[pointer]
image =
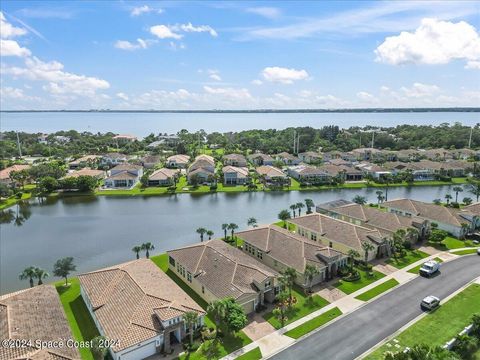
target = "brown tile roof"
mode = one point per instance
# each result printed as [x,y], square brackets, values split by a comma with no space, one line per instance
[199,164]
[224,270]
[35,314]
[126,167]
[163,174]
[338,231]
[180,158]
[262,156]
[125,298]
[5,173]
[270,171]
[473,208]
[288,248]
[429,211]
[85,158]
[241,171]
[122,175]
[208,158]
[237,157]
[86,172]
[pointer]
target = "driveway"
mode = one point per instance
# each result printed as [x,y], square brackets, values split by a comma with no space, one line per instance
[352,335]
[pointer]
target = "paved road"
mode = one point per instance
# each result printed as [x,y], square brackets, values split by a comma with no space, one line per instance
[359,331]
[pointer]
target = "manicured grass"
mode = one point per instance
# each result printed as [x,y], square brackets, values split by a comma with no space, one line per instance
[254,354]
[439,326]
[416,269]
[304,306]
[454,243]
[411,257]
[465,252]
[314,323]
[349,287]
[281,223]
[218,348]
[12,200]
[81,323]
[377,290]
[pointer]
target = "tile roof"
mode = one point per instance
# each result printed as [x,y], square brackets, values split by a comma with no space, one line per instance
[125,297]
[238,157]
[35,314]
[224,270]
[127,167]
[473,208]
[288,248]
[86,172]
[180,158]
[123,175]
[163,174]
[262,156]
[308,170]
[270,171]
[85,158]
[241,171]
[5,173]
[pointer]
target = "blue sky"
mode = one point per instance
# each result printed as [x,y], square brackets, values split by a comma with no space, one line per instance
[239,55]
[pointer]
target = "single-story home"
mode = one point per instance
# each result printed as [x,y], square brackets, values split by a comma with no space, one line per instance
[272,175]
[5,173]
[279,249]
[309,174]
[139,306]
[98,174]
[113,159]
[35,314]
[216,270]
[124,176]
[203,175]
[376,171]
[287,159]
[163,177]
[237,160]
[233,175]
[347,173]
[203,162]
[150,161]
[124,138]
[310,157]
[84,161]
[261,159]
[178,161]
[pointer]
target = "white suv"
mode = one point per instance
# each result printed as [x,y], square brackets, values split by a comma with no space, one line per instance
[430,302]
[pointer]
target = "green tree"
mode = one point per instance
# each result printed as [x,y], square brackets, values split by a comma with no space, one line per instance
[202,232]
[380,196]
[457,190]
[281,307]
[467,201]
[300,206]
[437,201]
[209,234]
[352,254]
[190,318]
[225,229]
[293,207]
[448,197]
[232,227]
[284,215]
[235,318]
[136,249]
[217,310]
[41,274]
[99,350]
[465,346]
[28,273]
[47,184]
[474,188]
[291,275]
[63,268]
[309,203]
[437,236]
[148,246]
[252,222]
[358,199]
[310,272]
[367,247]
[86,183]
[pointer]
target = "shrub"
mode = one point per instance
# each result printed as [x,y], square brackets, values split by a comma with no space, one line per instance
[407,245]
[465,346]
[353,276]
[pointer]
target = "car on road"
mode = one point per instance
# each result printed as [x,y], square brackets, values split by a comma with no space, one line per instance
[430,302]
[429,268]
[478,251]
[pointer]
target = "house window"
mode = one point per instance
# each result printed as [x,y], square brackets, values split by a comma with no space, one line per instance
[171,261]
[259,254]
[268,284]
[189,276]
[203,289]
[330,244]
[313,237]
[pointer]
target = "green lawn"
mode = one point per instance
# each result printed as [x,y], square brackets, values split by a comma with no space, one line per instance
[81,323]
[439,326]
[349,287]
[411,257]
[314,323]
[254,354]
[416,269]
[304,306]
[12,200]
[281,224]
[465,252]
[377,290]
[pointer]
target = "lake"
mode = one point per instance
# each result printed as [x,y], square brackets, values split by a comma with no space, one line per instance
[142,124]
[101,231]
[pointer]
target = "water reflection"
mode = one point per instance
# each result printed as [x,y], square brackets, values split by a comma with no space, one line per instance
[16,215]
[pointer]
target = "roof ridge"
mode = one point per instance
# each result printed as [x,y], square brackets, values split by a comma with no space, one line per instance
[200,259]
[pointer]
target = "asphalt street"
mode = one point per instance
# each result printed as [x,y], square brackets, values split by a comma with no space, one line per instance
[352,335]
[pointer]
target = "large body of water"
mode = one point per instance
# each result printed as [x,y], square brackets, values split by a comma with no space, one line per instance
[101,231]
[142,124]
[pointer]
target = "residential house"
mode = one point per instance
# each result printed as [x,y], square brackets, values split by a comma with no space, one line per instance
[163,177]
[35,314]
[179,161]
[454,221]
[330,155]
[339,162]
[233,175]
[310,157]
[5,173]
[419,171]
[150,161]
[408,155]
[272,176]
[367,154]
[237,160]
[113,159]
[287,159]
[167,140]
[203,168]
[124,138]
[216,270]
[437,154]
[376,171]
[124,176]
[97,174]
[84,161]
[280,249]
[347,173]
[340,235]
[309,174]
[139,306]
[259,159]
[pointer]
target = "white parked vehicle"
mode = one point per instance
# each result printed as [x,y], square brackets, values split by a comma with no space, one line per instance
[430,302]
[429,268]
[478,251]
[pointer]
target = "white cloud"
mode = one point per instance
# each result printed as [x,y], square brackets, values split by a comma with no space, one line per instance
[283,75]
[11,92]
[7,30]
[174,46]
[433,42]
[164,32]
[419,90]
[214,75]
[190,28]
[130,46]
[257,82]
[367,97]
[122,96]
[473,64]
[11,48]
[265,11]
[231,93]
[137,11]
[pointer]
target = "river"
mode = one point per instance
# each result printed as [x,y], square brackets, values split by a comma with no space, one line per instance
[101,231]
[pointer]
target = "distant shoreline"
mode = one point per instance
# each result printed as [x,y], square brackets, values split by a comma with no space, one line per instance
[260,111]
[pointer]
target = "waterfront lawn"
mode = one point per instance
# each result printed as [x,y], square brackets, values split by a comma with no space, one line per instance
[254,354]
[281,224]
[439,326]
[304,306]
[81,323]
[411,257]
[314,323]
[416,269]
[377,290]
[465,252]
[349,287]
[12,200]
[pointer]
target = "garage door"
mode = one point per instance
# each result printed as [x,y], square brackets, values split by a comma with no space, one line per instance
[248,307]
[140,352]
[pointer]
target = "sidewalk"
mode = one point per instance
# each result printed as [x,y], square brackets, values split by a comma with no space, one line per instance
[276,341]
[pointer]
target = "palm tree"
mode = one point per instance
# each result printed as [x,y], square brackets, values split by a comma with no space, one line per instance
[279,312]
[367,247]
[293,207]
[217,310]
[190,318]
[41,274]
[209,234]
[380,196]
[310,272]
[457,190]
[136,249]
[448,197]
[98,350]
[284,215]
[291,275]
[148,247]
[252,222]
[28,273]
[467,200]
[309,203]
[300,206]
[232,227]
[358,199]
[352,254]
[225,228]
[437,201]
[474,188]
[202,232]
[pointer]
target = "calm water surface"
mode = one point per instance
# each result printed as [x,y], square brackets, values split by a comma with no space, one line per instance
[100,231]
